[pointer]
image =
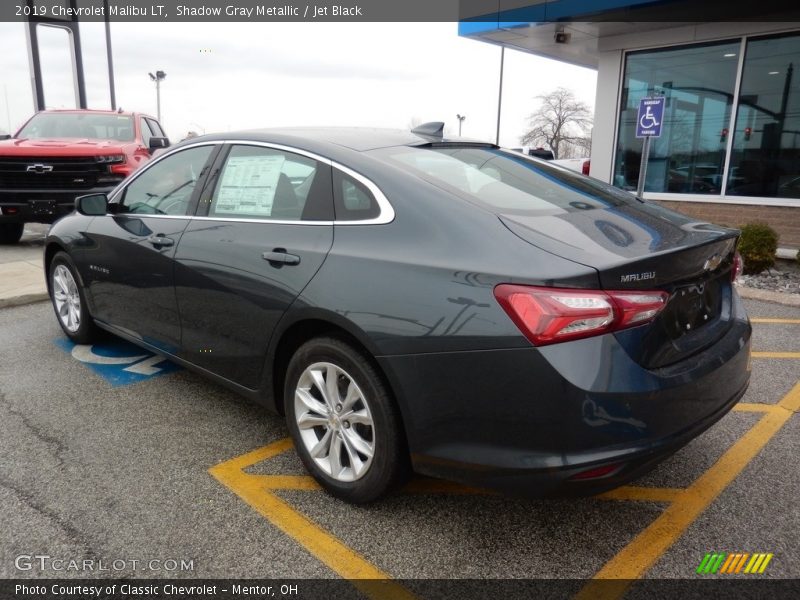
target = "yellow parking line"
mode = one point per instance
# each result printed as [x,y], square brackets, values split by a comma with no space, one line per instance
[775,354]
[782,321]
[289,482]
[756,407]
[344,561]
[645,549]
[630,492]
[259,454]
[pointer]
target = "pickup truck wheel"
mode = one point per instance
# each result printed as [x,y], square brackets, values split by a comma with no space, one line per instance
[11,233]
[69,301]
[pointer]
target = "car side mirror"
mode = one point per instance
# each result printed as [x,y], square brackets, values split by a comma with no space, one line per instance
[158,143]
[92,205]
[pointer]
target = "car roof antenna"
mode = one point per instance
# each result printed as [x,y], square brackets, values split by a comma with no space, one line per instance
[434,129]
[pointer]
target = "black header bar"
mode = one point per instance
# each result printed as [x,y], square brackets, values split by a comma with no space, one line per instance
[500,12]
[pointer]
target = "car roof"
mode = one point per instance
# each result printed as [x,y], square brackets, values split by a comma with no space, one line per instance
[122,113]
[359,139]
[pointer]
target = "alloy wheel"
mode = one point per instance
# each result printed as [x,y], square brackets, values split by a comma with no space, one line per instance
[334,421]
[66,298]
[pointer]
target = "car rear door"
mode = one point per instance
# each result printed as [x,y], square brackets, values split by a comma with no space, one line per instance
[129,264]
[263,229]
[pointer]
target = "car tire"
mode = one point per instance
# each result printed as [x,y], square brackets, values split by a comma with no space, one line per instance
[69,300]
[348,433]
[11,233]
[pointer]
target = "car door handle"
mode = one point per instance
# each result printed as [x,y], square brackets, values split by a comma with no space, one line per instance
[279,257]
[160,240]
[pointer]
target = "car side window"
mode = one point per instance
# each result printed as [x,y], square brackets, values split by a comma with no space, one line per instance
[352,200]
[166,187]
[146,133]
[265,183]
[155,128]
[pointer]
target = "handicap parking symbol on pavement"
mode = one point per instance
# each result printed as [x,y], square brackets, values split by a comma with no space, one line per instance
[117,361]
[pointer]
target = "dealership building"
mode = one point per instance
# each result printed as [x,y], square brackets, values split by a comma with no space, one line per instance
[729,151]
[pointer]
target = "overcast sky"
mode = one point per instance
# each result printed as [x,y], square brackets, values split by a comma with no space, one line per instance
[265,75]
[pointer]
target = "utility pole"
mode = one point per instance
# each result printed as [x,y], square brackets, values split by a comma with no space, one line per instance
[460,121]
[158,78]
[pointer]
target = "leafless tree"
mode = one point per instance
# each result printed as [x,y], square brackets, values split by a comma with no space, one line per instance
[563,123]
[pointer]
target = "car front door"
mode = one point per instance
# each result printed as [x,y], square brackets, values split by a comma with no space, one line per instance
[130,263]
[263,229]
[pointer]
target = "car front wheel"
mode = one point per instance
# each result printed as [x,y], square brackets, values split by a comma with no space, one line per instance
[69,301]
[345,425]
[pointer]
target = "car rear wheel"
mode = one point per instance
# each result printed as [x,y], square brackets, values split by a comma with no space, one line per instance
[11,233]
[69,301]
[345,425]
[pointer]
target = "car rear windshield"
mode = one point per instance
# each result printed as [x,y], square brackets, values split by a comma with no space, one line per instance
[504,181]
[79,125]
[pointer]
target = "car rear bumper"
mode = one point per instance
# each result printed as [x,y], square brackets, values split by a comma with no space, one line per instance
[529,420]
[624,464]
[41,206]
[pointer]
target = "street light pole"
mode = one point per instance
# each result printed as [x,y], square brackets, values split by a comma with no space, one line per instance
[110,59]
[158,78]
[460,121]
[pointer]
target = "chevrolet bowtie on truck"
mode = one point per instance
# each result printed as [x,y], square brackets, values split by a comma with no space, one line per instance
[61,154]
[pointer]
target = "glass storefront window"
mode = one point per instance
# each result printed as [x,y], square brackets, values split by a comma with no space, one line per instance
[765,159]
[698,82]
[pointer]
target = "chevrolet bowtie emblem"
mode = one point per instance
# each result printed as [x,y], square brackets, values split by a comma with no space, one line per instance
[39,168]
[712,263]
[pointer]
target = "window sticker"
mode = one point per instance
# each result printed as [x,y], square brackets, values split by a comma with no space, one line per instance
[248,185]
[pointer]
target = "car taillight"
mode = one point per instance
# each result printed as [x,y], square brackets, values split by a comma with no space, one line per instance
[585,167]
[551,315]
[738,266]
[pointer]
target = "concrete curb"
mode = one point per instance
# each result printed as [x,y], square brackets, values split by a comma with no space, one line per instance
[768,296]
[23,299]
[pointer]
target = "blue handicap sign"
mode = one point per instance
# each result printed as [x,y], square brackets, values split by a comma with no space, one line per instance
[117,361]
[650,117]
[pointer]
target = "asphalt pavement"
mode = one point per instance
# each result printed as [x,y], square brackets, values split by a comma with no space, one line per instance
[100,463]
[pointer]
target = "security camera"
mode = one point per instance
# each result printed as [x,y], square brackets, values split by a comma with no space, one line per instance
[561,37]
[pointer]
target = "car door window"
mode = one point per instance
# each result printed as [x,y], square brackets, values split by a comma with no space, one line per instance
[166,187]
[265,183]
[146,133]
[155,128]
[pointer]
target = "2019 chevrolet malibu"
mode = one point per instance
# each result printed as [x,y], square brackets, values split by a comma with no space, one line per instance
[410,302]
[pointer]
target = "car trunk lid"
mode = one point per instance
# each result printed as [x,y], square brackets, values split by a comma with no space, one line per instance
[646,247]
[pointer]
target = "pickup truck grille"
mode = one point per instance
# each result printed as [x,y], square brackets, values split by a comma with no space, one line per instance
[41,172]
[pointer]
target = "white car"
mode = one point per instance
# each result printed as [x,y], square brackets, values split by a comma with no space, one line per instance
[581,165]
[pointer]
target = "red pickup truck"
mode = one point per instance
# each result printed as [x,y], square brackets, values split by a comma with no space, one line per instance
[61,154]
